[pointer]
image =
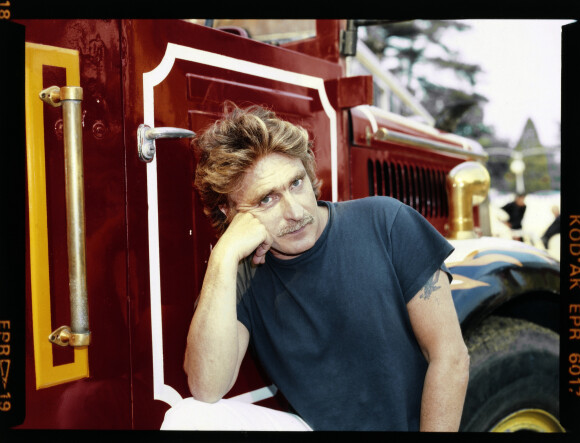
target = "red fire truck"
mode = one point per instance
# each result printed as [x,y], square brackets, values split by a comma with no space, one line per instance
[117,243]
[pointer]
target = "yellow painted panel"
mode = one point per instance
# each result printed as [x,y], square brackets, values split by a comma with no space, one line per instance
[46,373]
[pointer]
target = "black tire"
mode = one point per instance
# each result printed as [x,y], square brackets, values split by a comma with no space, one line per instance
[513,380]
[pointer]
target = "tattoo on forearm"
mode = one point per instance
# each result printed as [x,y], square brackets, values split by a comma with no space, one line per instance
[430,287]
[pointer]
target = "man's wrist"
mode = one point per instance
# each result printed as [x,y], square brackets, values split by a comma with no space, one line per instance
[223,258]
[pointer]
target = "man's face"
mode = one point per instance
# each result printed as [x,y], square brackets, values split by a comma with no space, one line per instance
[278,192]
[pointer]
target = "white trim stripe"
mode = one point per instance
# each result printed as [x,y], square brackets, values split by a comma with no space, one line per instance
[257,395]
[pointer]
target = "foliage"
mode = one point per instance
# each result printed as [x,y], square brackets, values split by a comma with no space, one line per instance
[410,45]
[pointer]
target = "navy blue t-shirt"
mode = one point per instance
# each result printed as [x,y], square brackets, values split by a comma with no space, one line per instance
[331,326]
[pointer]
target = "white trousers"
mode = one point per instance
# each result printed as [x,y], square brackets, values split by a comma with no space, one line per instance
[229,415]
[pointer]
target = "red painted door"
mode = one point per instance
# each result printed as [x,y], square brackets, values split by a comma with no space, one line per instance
[87,387]
[177,74]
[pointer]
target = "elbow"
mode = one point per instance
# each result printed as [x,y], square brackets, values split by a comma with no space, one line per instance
[204,395]
[454,362]
[464,358]
[200,390]
[462,362]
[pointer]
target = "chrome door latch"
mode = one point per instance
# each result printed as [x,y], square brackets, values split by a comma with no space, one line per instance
[147,135]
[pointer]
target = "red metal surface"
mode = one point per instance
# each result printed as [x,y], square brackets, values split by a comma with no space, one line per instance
[326,44]
[360,123]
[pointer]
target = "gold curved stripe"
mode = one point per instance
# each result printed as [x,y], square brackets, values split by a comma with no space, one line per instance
[46,373]
[535,420]
[462,282]
[486,260]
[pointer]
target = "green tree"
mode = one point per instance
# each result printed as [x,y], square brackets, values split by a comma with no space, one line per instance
[536,174]
[408,44]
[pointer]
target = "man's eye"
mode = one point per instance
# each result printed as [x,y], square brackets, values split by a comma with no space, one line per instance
[266,200]
[297,182]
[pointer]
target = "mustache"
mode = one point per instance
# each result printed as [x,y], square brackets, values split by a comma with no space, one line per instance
[308,219]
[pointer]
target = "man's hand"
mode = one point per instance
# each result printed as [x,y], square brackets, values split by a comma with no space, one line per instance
[246,235]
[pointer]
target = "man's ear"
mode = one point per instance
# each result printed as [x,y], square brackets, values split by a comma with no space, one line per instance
[225,209]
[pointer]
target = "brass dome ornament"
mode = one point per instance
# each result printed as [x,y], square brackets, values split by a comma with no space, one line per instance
[467,186]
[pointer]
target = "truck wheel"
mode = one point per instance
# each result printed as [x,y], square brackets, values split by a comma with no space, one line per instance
[513,377]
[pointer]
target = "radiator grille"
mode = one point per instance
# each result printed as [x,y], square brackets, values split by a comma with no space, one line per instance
[420,187]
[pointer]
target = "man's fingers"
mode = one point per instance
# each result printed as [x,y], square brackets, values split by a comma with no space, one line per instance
[259,259]
[260,253]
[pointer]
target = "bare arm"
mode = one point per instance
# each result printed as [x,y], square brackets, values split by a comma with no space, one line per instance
[434,321]
[217,341]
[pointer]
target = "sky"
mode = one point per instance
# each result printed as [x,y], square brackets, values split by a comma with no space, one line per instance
[521,60]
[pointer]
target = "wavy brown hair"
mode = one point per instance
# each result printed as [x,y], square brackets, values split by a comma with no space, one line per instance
[233,144]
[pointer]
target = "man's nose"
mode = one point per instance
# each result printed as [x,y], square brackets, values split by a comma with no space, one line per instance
[293,210]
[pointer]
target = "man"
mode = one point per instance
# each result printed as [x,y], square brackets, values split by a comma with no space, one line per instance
[554,227]
[516,210]
[344,303]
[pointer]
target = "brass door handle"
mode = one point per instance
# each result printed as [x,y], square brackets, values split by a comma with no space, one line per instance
[147,135]
[70,98]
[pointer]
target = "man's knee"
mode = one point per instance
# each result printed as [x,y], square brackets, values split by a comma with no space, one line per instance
[229,415]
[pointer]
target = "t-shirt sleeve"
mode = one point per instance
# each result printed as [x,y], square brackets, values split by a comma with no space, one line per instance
[418,250]
[245,273]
